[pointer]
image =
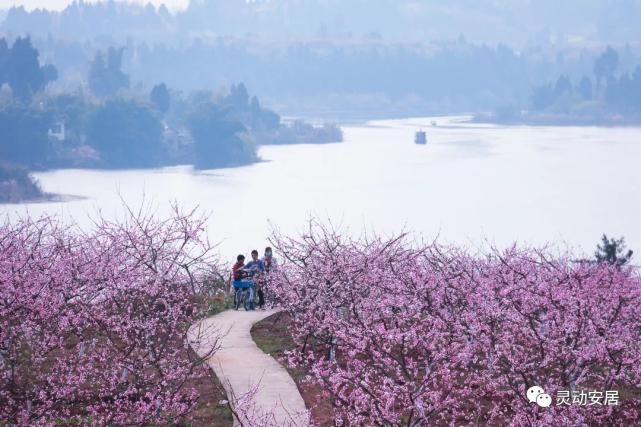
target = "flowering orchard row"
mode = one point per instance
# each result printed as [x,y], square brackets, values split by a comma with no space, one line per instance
[401,334]
[93,325]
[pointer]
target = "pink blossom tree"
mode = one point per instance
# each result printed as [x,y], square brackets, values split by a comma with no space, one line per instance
[405,334]
[93,324]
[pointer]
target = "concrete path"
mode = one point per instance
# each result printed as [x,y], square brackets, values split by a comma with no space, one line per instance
[243,368]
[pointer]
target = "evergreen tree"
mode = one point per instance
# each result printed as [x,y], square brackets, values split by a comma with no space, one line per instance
[606,65]
[563,86]
[613,251]
[126,134]
[106,77]
[218,139]
[161,98]
[4,61]
[585,88]
[22,70]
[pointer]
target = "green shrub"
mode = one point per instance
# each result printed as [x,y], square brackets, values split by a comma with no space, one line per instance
[16,184]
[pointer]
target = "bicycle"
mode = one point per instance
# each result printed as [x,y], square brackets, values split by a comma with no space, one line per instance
[242,293]
[241,296]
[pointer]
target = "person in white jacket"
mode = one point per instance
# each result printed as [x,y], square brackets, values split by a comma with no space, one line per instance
[269,264]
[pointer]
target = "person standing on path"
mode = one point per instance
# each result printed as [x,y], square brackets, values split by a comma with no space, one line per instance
[255,268]
[256,265]
[269,262]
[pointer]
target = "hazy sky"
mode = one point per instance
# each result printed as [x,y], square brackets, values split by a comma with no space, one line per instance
[59,4]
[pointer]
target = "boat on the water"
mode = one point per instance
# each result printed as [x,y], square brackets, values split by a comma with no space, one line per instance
[420,137]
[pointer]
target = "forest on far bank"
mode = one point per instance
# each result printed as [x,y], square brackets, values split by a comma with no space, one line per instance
[110,123]
[607,96]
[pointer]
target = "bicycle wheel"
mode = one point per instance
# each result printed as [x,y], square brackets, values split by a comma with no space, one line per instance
[246,301]
[238,297]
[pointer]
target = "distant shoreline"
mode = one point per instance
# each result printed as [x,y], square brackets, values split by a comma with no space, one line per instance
[44,198]
[490,118]
[557,120]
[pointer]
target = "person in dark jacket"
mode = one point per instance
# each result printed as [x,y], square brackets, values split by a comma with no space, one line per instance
[255,268]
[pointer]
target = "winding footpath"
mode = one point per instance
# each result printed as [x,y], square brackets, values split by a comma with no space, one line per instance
[243,368]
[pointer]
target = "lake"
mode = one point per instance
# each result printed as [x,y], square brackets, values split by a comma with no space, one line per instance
[471,185]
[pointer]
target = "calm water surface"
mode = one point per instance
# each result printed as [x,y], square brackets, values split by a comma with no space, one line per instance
[472,184]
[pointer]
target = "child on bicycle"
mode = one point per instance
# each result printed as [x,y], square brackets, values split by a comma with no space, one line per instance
[239,274]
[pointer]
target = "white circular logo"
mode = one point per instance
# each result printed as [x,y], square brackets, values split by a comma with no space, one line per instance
[544,400]
[534,392]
